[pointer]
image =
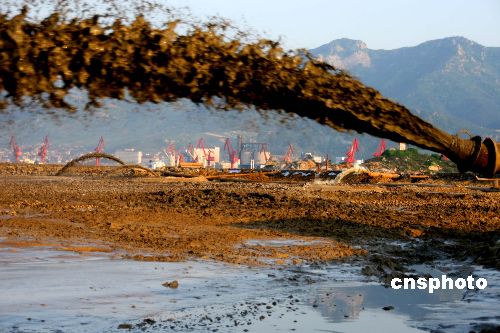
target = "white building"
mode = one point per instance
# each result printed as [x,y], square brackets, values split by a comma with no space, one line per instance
[156,164]
[211,154]
[129,156]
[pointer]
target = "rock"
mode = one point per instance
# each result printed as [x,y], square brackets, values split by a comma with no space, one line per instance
[388,308]
[174,284]
[125,326]
[413,232]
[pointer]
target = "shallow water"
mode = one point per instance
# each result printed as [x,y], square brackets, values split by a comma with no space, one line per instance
[44,290]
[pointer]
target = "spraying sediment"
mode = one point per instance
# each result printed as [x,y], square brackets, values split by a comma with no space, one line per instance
[88,156]
[45,60]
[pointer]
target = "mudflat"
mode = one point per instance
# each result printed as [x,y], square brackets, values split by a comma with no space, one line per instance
[252,223]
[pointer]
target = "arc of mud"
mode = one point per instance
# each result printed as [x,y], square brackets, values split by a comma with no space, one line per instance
[136,166]
[348,172]
[88,156]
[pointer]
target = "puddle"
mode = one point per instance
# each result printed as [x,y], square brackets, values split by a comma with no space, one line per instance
[282,242]
[44,290]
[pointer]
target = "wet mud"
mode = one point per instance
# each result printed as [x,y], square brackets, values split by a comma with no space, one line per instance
[173,219]
[293,236]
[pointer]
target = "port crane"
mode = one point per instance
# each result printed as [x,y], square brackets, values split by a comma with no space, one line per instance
[289,153]
[201,145]
[99,149]
[190,152]
[16,150]
[42,152]
[172,153]
[208,153]
[265,150]
[380,149]
[232,153]
[210,157]
[351,153]
[178,155]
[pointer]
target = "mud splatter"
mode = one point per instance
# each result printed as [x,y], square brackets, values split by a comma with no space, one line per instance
[88,156]
[206,64]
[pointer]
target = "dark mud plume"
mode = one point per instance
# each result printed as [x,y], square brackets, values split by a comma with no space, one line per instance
[86,157]
[44,61]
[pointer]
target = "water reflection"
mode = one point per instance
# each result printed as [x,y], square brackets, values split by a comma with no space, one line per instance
[45,290]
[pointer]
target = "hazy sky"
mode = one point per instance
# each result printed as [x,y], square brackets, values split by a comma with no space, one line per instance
[382,24]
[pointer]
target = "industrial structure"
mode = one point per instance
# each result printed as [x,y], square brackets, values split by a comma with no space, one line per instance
[129,156]
[99,149]
[232,154]
[380,149]
[207,156]
[243,155]
[42,152]
[254,155]
[351,153]
[16,150]
[174,157]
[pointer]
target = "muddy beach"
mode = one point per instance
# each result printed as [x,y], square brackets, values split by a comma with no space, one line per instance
[281,230]
[174,219]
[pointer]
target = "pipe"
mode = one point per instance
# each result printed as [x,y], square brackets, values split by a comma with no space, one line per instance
[474,155]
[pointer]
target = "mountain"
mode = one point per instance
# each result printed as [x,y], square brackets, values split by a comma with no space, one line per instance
[452,82]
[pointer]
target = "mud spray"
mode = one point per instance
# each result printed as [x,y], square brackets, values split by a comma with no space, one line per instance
[86,157]
[43,61]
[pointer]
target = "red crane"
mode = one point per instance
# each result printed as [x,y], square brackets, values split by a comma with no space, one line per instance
[190,151]
[289,153]
[170,150]
[42,152]
[351,154]
[381,148]
[201,145]
[16,150]
[210,158]
[264,150]
[231,152]
[180,158]
[99,149]
[174,153]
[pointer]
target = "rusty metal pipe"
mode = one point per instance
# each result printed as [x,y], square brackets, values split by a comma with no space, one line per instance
[476,155]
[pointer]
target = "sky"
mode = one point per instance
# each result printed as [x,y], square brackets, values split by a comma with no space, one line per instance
[381,24]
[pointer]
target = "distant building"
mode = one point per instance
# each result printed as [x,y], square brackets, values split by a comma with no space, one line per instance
[156,164]
[129,156]
[311,156]
[254,155]
[402,146]
[208,156]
